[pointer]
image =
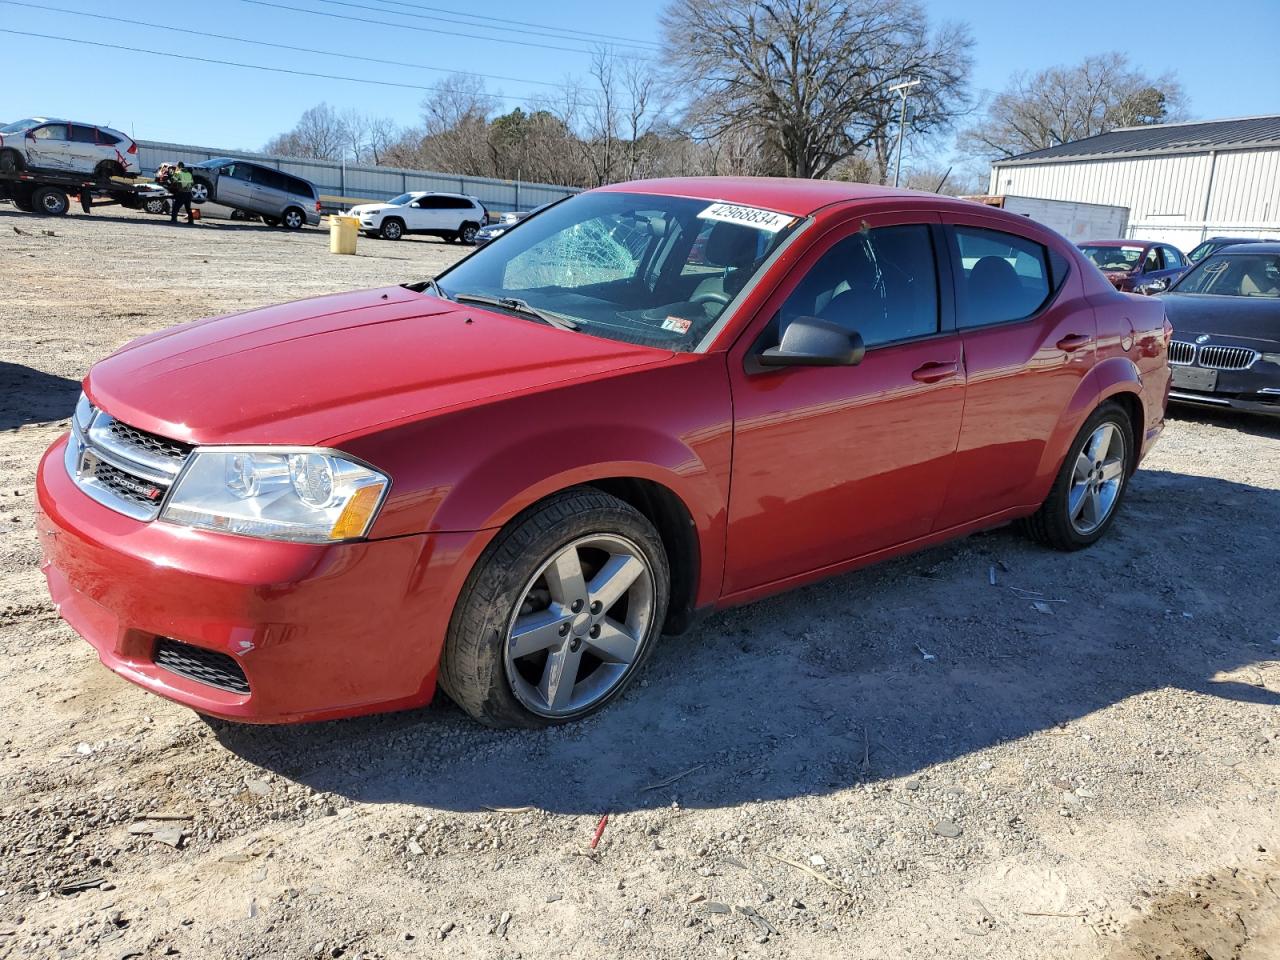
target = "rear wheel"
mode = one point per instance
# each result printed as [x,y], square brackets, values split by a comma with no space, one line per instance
[271,221]
[11,161]
[22,199]
[559,613]
[50,201]
[293,218]
[107,169]
[1084,498]
[391,229]
[201,191]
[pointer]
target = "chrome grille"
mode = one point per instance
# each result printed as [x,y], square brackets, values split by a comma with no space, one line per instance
[1226,358]
[123,468]
[1181,352]
[148,442]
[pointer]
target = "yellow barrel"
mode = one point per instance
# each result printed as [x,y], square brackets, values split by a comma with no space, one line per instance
[342,234]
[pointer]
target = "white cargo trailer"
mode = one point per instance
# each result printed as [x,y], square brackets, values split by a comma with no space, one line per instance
[1074,220]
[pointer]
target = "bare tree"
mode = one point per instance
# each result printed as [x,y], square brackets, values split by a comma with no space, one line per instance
[318,135]
[368,137]
[806,77]
[455,131]
[1067,103]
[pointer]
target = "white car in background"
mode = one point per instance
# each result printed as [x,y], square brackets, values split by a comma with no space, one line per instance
[67,146]
[449,216]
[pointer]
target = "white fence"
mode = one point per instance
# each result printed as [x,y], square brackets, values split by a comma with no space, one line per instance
[341,184]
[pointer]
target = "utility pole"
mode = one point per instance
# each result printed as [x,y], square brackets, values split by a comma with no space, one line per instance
[901,89]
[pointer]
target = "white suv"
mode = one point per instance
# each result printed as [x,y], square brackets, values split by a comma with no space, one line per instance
[449,216]
[62,146]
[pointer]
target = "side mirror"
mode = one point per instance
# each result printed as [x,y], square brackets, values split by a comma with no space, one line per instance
[1158,285]
[812,342]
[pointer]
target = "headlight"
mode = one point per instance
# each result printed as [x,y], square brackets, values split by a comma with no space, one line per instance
[497,233]
[84,413]
[312,496]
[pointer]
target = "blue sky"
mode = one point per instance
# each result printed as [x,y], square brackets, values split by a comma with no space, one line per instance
[1227,68]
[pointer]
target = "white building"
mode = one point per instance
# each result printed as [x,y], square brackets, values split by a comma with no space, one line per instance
[1182,182]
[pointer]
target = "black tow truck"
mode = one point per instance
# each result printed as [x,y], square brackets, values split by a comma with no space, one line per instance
[50,193]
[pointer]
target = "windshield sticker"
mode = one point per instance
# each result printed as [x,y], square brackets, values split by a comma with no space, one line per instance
[677,324]
[765,220]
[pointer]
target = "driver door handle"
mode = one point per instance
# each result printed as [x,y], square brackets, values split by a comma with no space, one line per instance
[1074,341]
[935,371]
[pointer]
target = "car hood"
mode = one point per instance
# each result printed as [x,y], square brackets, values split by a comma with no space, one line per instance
[1255,319]
[316,371]
[362,208]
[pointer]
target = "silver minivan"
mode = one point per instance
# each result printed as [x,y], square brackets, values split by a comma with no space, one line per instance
[278,197]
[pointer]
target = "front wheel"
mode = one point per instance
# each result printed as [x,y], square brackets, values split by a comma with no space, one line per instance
[201,190]
[391,230]
[561,610]
[10,161]
[1084,498]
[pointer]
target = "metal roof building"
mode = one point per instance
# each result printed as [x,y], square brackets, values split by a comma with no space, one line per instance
[1182,182]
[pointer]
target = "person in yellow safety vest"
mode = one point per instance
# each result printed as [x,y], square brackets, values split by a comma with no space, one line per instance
[180,182]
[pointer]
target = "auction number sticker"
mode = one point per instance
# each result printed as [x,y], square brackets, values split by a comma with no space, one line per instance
[677,324]
[765,220]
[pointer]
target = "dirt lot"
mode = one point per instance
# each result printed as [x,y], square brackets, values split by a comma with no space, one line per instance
[905,762]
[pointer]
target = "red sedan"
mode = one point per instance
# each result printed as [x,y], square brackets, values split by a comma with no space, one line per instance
[512,479]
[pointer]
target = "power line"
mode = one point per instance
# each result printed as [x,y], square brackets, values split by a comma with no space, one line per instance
[520,23]
[277,46]
[540,29]
[431,30]
[236,63]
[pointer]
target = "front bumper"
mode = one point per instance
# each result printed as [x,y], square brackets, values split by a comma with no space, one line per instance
[319,631]
[1247,403]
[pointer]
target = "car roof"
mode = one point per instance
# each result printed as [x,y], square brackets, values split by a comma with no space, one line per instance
[783,194]
[1119,243]
[1254,246]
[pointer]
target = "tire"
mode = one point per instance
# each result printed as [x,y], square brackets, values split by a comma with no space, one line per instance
[293,219]
[1094,477]
[479,668]
[467,233]
[50,201]
[107,169]
[11,161]
[201,191]
[391,229]
[22,200]
[271,221]
[156,205]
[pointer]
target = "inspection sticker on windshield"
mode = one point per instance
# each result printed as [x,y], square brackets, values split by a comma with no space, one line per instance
[765,220]
[677,324]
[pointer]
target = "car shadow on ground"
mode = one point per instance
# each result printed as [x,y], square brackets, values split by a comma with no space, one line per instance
[1257,425]
[28,396]
[874,675]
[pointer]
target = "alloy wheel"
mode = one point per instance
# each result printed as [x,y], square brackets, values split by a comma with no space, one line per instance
[581,624]
[199,193]
[1096,479]
[292,219]
[469,234]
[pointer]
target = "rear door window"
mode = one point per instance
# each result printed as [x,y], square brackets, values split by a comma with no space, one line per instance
[1000,276]
[1172,259]
[81,134]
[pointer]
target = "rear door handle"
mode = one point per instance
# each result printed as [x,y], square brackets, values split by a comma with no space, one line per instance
[1074,341]
[933,372]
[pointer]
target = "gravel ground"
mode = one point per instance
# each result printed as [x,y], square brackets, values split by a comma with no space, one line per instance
[905,762]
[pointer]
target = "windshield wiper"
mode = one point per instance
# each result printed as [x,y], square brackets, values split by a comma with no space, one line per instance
[516,305]
[423,286]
